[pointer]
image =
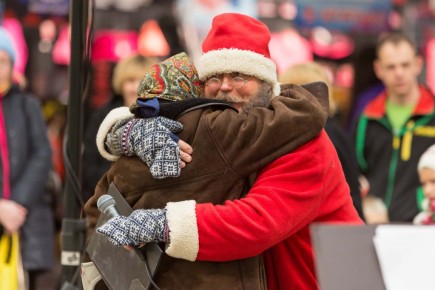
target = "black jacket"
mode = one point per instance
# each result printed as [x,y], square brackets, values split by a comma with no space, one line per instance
[346,153]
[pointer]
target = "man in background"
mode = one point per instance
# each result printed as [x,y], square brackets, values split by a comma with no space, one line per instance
[396,127]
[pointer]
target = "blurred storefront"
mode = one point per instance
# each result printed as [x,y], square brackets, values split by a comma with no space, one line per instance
[340,34]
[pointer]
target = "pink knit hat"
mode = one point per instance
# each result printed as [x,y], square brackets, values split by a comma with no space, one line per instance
[238,43]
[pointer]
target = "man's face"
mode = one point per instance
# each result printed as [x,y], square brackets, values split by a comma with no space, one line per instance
[5,67]
[236,88]
[398,67]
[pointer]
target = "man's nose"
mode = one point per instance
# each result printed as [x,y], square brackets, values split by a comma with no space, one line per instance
[226,84]
[399,71]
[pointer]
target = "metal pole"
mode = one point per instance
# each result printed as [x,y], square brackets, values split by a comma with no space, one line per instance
[73,229]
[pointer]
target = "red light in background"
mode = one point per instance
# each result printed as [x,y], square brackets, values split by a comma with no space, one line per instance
[152,41]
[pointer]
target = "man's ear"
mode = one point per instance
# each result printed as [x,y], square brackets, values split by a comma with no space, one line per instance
[377,68]
[419,64]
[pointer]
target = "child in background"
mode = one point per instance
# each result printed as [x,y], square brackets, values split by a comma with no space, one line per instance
[309,72]
[426,173]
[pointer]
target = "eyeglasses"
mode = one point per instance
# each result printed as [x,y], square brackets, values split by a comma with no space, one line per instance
[236,82]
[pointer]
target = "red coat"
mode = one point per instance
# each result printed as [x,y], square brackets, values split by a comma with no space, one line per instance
[303,187]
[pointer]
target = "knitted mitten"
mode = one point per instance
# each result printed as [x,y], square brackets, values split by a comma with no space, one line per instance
[114,137]
[142,226]
[152,140]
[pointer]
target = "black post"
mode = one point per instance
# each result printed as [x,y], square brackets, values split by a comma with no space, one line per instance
[73,229]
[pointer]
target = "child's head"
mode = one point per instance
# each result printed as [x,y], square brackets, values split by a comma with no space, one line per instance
[426,172]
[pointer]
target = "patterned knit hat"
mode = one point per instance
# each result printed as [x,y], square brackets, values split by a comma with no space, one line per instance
[238,43]
[6,44]
[174,79]
[427,159]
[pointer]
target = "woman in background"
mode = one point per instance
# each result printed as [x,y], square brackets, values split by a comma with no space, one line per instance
[25,164]
[313,72]
[126,77]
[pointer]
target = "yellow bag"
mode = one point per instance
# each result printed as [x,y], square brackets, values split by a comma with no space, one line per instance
[9,261]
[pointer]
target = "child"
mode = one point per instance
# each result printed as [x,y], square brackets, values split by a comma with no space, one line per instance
[426,172]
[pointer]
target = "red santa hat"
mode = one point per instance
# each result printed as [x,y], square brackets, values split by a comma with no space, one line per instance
[238,43]
[427,159]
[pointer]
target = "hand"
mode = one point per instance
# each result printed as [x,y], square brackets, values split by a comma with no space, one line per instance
[142,226]
[185,153]
[12,215]
[364,185]
[153,140]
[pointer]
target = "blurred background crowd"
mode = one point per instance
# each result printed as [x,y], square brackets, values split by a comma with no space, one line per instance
[128,36]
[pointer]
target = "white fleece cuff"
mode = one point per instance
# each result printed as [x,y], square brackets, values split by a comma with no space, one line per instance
[183,230]
[107,124]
